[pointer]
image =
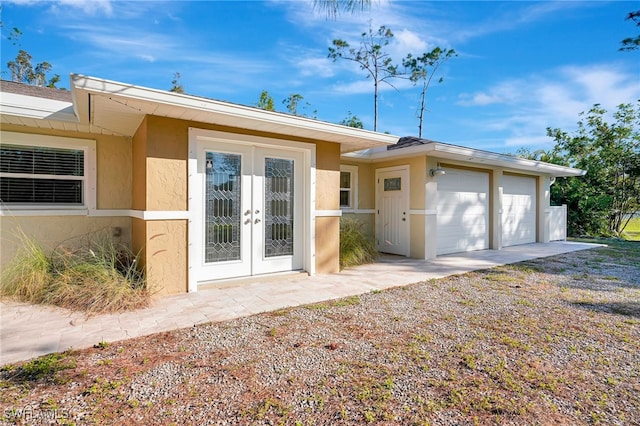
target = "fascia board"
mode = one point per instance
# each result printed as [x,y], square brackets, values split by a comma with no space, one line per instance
[83,84]
[469,155]
[491,158]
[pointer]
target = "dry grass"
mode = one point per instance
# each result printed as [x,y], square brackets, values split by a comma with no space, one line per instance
[356,248]
[551,341]
[93,276]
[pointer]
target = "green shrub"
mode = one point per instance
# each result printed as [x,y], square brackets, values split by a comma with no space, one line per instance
[98,276]
[355,247]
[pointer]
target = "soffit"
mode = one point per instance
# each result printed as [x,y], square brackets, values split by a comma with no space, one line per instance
[120,109]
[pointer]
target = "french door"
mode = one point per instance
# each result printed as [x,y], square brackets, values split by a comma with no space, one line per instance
[251,215]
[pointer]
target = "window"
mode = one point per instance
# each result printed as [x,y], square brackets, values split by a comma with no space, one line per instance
[348,186]
[393,184]
[46,172]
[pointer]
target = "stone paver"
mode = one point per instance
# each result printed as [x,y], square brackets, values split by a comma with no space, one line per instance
[27,331]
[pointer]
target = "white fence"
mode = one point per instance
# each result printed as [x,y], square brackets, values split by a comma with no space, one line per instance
[558,223]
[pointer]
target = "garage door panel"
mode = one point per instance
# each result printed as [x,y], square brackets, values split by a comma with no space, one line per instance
[462,211]
[518,210]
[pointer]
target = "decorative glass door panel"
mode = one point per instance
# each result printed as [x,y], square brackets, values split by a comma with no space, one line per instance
[251,219]
[222,210]
[278,203]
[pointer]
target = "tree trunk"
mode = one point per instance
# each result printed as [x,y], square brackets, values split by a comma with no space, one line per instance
[375,106]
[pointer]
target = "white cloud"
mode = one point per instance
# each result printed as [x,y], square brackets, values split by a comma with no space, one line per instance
[407,41]
[315,67]
[527,141]
[513,18]
[90,7]
[353,88]
[123,42]
[507,92]
[524,107]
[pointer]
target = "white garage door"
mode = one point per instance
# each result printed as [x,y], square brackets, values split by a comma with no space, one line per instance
[463,211]
[518,210]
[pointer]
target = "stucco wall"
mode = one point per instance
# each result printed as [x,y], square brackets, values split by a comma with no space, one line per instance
[51,231]
[327,245]
[327,176]
[423,199]
[327,198]
[366,188]
[139,166]
[166,164]
[417,177]
[160,158]
[162,245]
[113,168]
[113,191]
[166,256]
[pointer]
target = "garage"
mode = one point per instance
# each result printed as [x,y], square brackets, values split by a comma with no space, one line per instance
[463,211]
[518,210]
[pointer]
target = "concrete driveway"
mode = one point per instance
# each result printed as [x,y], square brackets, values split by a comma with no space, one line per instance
[28,331]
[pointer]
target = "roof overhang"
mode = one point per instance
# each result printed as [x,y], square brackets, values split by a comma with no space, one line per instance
[468,156]
[120,108]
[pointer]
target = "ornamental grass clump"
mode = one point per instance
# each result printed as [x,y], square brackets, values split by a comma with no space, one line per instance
[356,248]
[98,276]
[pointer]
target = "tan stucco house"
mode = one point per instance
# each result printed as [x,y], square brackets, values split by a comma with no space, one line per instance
[209,191]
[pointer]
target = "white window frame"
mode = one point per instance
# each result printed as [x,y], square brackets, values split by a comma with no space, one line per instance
[353,196]
[46,141]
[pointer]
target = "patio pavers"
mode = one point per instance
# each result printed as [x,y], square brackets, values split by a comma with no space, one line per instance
[27,331]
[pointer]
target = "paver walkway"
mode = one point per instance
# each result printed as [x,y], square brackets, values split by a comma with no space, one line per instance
[27,331]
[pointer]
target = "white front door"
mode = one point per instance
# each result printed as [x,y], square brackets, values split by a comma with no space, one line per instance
[392,211]
[251,216]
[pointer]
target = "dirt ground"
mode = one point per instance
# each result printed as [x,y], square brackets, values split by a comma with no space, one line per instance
[550,341]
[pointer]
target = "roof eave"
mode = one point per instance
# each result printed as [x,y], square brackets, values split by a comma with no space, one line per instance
[468,155]
[222,112]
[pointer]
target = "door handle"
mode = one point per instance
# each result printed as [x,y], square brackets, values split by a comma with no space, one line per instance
[247,221]
[248,212]
[257,221]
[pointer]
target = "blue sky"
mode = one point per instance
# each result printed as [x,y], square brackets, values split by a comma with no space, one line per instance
[522,66]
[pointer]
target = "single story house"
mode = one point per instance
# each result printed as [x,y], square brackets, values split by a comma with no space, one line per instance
[208,190]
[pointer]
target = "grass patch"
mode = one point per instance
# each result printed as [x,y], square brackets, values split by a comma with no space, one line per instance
[43,368]
[355,247]
[97,276]
[632,230]
[347,301]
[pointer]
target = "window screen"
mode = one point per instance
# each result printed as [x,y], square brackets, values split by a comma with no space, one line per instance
[41,175]
[345,189]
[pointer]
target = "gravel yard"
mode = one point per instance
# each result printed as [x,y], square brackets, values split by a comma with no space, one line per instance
[549,341]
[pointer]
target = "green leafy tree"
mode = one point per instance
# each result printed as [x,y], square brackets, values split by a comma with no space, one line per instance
[333,8]
[176,85]
[23,71]
[13,35]
[632,43]
[266,101]
[372,58]
[293,103]
[422,69]
[352,121]
[603,201]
